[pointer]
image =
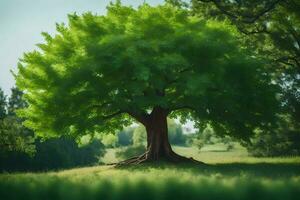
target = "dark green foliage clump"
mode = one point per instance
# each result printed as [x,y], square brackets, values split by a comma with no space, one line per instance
[21,152]
[13,135]
[53,154]
[285,143]
[2,105]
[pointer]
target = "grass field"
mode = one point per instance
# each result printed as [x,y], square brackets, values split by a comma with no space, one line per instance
[229,175]
[215,154]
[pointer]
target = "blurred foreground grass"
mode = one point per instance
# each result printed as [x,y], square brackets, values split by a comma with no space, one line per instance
[229,175]
[219,181]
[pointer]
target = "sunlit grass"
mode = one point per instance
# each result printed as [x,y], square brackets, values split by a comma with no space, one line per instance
[220,181]
[229,175]
[214,154]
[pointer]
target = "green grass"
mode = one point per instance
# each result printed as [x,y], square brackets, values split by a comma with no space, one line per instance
[226,177]
[215,154]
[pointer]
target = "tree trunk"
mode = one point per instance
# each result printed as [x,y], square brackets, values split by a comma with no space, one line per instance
[158,146]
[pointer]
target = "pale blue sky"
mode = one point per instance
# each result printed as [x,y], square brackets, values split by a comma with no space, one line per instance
[22,21]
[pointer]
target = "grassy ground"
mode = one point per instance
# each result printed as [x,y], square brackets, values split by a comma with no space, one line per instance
[215,154]
[230,175]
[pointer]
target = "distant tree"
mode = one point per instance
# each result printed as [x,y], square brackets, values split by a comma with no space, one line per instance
[2,105]
[282,141]
[125,136]
[15,101]
[139,136]
[176,135]
[101,73]
[13,135]
[109,140]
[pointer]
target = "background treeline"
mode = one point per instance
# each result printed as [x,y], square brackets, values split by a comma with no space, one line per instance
[21,151]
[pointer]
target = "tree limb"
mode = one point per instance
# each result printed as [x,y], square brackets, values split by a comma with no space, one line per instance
[142,117]
[244,19]
[180,108]
[106,117]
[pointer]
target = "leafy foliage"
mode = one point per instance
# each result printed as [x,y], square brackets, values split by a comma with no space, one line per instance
[270,27]
[109,140]
[283,141]
[100,73]
[53,154]
[2,105]
[209,137]
[273,25]
[176,136]
[13,135]
[15,101]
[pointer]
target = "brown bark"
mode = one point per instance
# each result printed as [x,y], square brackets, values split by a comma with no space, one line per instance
[158,146]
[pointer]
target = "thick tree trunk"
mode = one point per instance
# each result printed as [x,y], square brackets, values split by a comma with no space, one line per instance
[158,146]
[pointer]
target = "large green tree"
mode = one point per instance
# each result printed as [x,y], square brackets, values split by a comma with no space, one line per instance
[101,73]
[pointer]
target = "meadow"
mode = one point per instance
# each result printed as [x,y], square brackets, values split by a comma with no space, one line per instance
[227,175]
[103,84]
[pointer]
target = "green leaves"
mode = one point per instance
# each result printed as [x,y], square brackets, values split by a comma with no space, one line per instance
[100,72]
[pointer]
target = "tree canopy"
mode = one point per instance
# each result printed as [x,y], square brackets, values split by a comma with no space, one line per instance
[272,24]
[270,27]
[101,73]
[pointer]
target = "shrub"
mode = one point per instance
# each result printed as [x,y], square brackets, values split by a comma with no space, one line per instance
[53,154]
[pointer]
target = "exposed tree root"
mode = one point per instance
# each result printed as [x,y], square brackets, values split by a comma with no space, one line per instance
[145,158]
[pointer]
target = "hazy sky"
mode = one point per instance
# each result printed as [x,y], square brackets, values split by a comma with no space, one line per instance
[22,21]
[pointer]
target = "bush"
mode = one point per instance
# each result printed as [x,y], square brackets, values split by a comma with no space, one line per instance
[209,137]
[53,154]
[275,144]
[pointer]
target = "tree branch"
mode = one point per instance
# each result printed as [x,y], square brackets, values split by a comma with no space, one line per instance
[100,105]
[106,117]
[180,108]
[142,117]
[244,19]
